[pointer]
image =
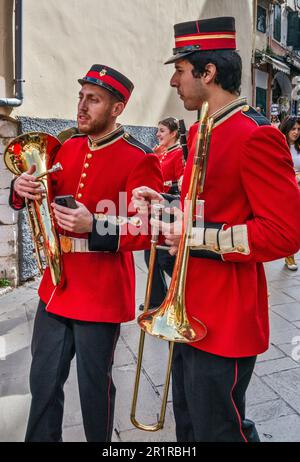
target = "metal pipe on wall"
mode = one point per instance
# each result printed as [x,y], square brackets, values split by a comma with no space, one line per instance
[18,99]
[255,4]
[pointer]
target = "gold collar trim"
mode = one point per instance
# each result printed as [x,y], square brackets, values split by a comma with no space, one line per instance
[224,113]
[172,148]
[107,139]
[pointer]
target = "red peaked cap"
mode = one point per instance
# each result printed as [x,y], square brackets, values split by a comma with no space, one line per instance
[110,79]
[201,35]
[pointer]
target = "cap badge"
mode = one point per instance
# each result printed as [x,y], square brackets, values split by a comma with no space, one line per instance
[103,72]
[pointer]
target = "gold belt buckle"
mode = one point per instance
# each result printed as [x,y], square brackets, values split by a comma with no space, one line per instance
[66,244]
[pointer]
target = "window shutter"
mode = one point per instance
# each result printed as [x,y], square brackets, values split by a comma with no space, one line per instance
[293,37]
[277,23]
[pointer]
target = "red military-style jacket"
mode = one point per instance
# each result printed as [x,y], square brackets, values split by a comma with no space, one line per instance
[172,166]
[99,286]
[250,181]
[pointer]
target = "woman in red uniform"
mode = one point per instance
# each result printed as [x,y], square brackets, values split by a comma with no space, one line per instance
[170,154]
[171,160]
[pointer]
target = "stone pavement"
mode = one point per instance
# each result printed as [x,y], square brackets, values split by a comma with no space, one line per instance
[273,398]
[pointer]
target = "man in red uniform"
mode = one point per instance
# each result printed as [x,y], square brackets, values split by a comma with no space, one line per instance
[250,196]
[83,315]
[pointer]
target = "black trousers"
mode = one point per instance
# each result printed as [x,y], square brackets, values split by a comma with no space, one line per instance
[209,396]
[164,263]
[55,342]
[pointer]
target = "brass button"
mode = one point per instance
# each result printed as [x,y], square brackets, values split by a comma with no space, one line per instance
[240,248]
[86,165]
[245,108]
[135,221]
[65,244]
[79,196]
[90,156]
[126,135]
[84,175]
[81,185]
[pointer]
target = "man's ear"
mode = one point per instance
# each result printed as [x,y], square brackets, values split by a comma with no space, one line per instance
[210,73]
[117,109]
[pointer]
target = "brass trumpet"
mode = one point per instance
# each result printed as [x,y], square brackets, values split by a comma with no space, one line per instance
[169,321]
[39,149]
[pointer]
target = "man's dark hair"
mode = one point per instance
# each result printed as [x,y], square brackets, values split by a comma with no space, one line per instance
[228,64]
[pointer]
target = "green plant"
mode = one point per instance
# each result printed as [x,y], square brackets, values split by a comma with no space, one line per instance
[4,283]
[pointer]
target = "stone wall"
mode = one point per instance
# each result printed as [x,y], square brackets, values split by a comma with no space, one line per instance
[8,218]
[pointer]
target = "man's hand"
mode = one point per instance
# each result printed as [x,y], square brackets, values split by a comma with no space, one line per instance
[143,197]
[171,231]
[78,220]
[27,186]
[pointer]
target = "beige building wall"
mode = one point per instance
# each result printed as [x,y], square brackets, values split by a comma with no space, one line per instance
[63,38]
[261,39]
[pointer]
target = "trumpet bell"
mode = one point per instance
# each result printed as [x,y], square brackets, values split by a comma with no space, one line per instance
[164,323]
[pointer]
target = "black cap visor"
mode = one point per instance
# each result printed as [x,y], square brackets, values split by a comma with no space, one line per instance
[178,56]
[99,83]
[180,53]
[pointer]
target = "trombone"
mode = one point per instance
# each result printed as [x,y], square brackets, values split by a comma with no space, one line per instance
[169,321]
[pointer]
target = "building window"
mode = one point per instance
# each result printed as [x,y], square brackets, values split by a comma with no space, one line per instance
[277,23]
[261,19]
[261,99]
[293,28]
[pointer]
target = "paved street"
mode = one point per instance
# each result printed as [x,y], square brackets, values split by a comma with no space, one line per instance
[273,398]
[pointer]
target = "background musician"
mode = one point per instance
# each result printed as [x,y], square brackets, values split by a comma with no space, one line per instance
[170,154]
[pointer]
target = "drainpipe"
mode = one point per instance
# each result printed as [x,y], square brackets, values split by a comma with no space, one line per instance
[18,99]
[255,3]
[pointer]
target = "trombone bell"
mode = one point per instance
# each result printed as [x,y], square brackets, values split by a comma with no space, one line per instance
[162,323]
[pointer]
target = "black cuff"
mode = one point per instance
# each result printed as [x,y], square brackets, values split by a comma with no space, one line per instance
[10,199]
[205,254]
[202,253]
[174,191]
[171,197]
[104,236]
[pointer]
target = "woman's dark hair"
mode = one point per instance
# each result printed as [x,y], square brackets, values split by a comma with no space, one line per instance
[286,126]
[172,124]
[228,64]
